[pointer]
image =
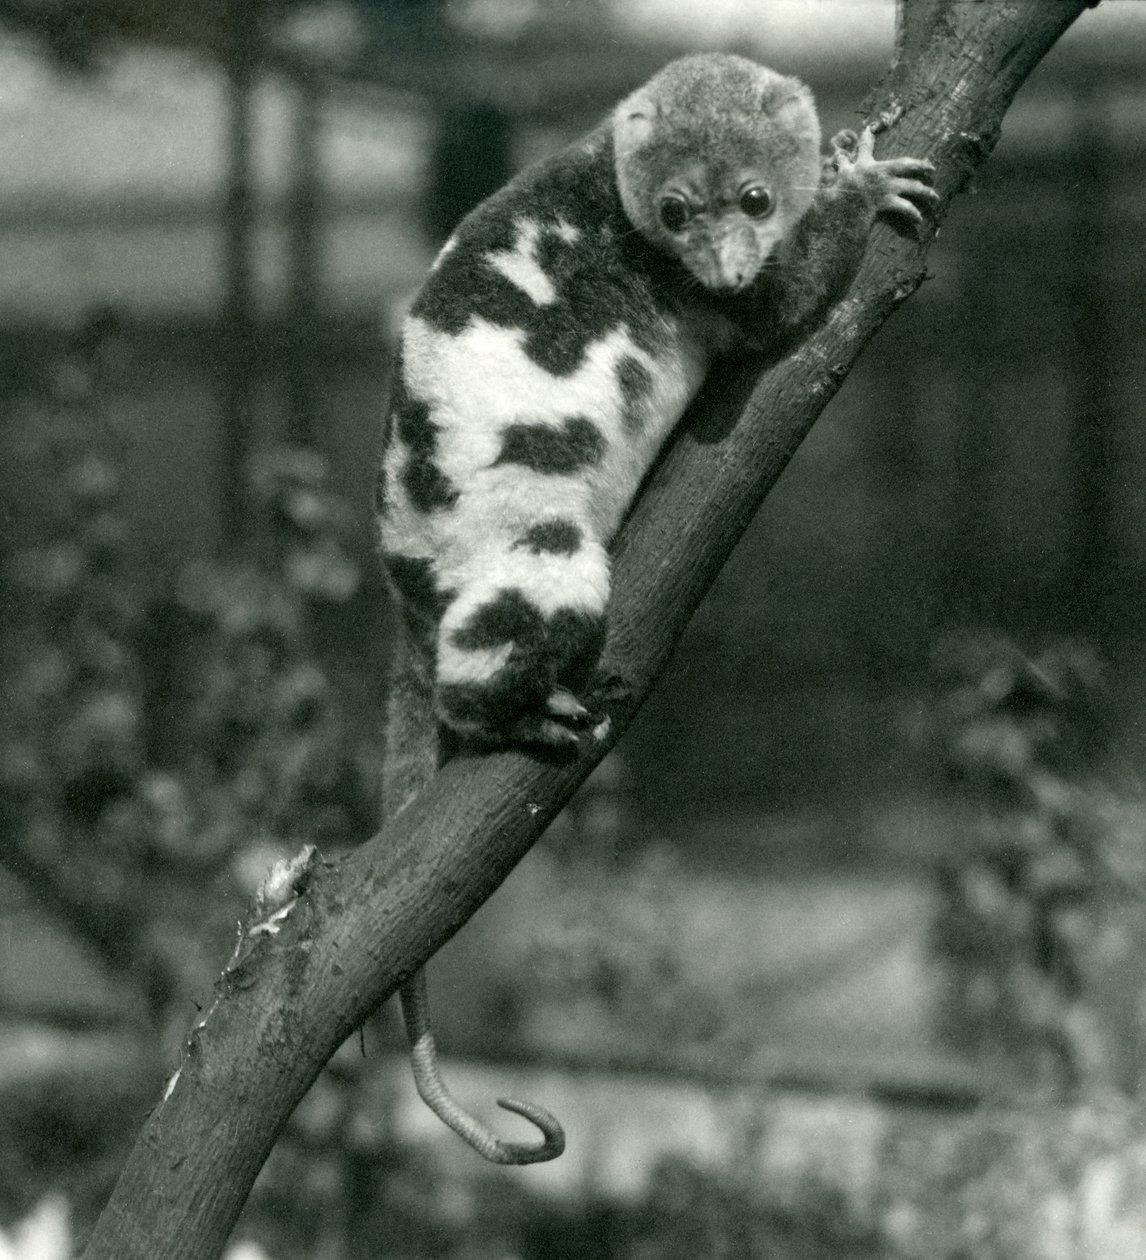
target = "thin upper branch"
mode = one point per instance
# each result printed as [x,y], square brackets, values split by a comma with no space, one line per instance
[346,936]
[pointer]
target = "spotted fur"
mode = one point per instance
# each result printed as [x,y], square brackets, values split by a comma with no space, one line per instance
[541,368]
[560,336]
[557,341]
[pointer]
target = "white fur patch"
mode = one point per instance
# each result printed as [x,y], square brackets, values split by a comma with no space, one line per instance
[478,665]
[402,529]
[478,382]
[551,582]
[447,248]
[568,233]
[520,266]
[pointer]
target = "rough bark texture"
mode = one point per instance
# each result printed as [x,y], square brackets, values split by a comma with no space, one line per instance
[297,988]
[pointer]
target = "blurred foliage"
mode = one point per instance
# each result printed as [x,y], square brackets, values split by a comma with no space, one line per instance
[163,738]
[168,732]
[358,1194]
[1037,926]
[605,960]
[1018,1185]
[75,34]
[106,657]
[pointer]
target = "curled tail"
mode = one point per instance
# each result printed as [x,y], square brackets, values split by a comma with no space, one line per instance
[431,1087]
[413,753]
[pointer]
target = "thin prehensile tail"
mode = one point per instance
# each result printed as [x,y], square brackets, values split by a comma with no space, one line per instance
[424,1059]
[412,756]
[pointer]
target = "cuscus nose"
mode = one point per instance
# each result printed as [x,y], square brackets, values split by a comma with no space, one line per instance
[735,260]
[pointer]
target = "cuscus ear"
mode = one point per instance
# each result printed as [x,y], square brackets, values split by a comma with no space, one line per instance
[778,91]
[788,112]
[791,104]
[788,98]
[633,123]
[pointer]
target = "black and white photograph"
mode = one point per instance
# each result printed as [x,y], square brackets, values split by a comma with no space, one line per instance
[572,630]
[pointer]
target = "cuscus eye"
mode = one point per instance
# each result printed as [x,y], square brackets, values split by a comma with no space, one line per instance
[674,212]
[756,201]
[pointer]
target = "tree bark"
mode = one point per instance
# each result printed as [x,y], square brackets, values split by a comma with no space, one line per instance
[346,935]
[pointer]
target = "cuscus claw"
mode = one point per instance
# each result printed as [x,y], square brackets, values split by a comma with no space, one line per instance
[536,730]
[565,706]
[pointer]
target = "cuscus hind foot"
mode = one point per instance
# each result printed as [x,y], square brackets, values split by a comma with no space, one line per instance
[591,714]
[566,721]
[558,726]
[565,707]
[608,691]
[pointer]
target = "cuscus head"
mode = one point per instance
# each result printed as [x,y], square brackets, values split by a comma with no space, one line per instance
[716,159]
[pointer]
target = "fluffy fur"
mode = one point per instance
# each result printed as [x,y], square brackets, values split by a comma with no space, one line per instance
[561,334]
[704,129]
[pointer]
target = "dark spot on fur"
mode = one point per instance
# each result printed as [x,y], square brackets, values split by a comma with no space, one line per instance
[547,650]
[609,276]
[466,284]
[556,537]
[413,425]
[576,444]
[556,341]
[420,600]
[636,381]
[426,485]
[500,302]
[413,580]
[556,255]
[574,642]
[561,650]
[508,617]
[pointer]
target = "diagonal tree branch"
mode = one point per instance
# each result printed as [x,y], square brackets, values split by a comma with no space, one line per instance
[344,937]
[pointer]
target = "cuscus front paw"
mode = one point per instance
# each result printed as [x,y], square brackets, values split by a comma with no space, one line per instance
[844,144]
[891,185]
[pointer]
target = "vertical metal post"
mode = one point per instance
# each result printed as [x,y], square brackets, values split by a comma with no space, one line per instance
[304,263]
[238,322]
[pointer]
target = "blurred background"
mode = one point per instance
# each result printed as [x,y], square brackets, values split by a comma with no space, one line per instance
[832,954]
